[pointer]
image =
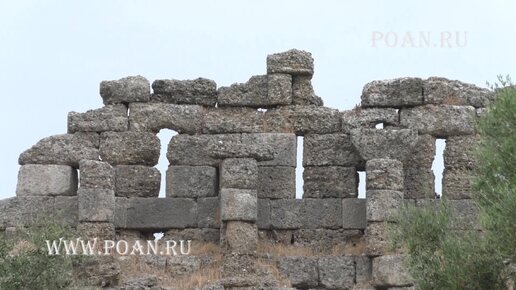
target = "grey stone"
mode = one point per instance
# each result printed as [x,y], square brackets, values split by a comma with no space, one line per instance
[96,174]
[237,264]
[121,206]
[233,120]
[336,272]
[294,62]
[208,212]
[279,89]
[153,117]
[303,120]
[191,181]
[330,181]
[363,269]
[451,92]
[390,271]
[238,204]
[329,150]
[161,213]
[66,210]
[458,184]
[97,271]
[37,179]
[25,210]
[276,182]
[241,237]
[419,176]
[383,205]
[285,213]
[283,146]
[301,271]
[440,120]
[192,149]
[393,93]
[303,93]
[239,173]
[130,148]
[66,149]
[108,118]
[205,235]
[377,239]
[238,148]
[378,144]
[384,174]
[183,265]
[99,230]
[354,213]
[328,240]
[464,214]
[253,93]
[459,152]
[96,205]
[321,213]
[137,181]
[368,118]
[263,220]
[199,91]
[125,90]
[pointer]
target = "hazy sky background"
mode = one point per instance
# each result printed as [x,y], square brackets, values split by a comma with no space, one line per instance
[53,54]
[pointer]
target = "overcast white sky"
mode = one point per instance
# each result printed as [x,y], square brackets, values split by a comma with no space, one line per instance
[53,54]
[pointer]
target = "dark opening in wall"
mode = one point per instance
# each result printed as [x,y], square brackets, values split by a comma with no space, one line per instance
[164,136]
[438,165]
[361,186]
[299,168]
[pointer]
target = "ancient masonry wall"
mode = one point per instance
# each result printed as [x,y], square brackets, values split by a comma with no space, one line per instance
[231,178]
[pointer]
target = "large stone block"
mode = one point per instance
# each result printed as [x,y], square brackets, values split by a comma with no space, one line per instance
[238,204]
[199,91]
[96,174]
[390,271]
[276,182]
[205,235]
[130,148]
[208,212]
[137,181]
[363,269]
[378,144]
[125,90]
[25,210]
[384,174]
[321,213]
[66,209]
[233,120]
[303,120]
[253,93]
[161,213]
[294,62]
[397,93]
[191,181]
[377,239]
[458,184]
[303,93]
[241,237]
[153,117]
[37,179]
[108,118]
[301,271]
[443,91]
[241,148]
[329,150]
[459,152]
[263,220]
[336,272]
[440,120]
[96,230]
[121,206]
[369,118]
[66,149]
[286,213]
[354,213]
[382,205]
[96,205]
[326,240]
[279,89]
[419,176]
[330,181]
[283,147]
[239,173]
[192,149]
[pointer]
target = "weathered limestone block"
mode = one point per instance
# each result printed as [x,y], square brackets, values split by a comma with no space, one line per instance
[108,118]
[384,174]
[368,118]
[301,271]
[459,152]
[238,148]
[283,146]
[191,181]
[37,179]
[363,269]
[153,117]
[306,213]
[354,213]
[238,204]
[235,265]
[239,173]
[330,181]
[276,182]
[24,210]
[161,213]
[325,240]
[192,149]
[303,120]
[184,265]
[66,149]
[208,212]
[199,91]
[263,220]
[378,144]
[137,181]
[121,206]
[96,205]
[393,93]
[382,205]
[458,184]
[440,120]
[286,213]
[390,271]
[336,272]
[419,176]
[125,90]
[294,62]
[100,230]
[444,91]
[464,214]
[96,174]
[194,234]
[329,150]
[241,237]
[66,210]
[303,93]
[233,120]
[279,89]
[130,148]
[377,239]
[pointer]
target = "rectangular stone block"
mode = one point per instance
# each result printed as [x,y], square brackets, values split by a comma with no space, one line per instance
[192,149]
[377,239]
[199,91]
[96,174]
[363,269]
[264,214]
[137,181]
[125,90]
[96,205]
[279,89]
[239,173]
[330,181]
[252,93]
[152,117]
[458,184]
[285,213]
[354,213]
[161,213]
[440,121]
[303,92]
[108,118]
[321,213]
[66,209]
[238,204]
[301,271]
[294,62]
[336,272]
[303,120]
[25,210]
[191,181]
[378,144]
[130,148]
[284,147]
[241,237]
[390,271]
[276,182]
[233,120]
[208,212]
[36,179]
[369,118]
[326,240]
[444,91]
[396,93]
[459,152]
[384,174]
[121,206]
[383,205]
[329,150]
[419,176]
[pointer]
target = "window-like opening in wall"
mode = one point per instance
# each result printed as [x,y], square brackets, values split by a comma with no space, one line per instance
[361,186]
[164,136]
[299,168]
[438,166]
[379,126]
[158,236]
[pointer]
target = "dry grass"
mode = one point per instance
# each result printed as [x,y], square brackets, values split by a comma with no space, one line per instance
[270,267]
[202,248]
[195,280]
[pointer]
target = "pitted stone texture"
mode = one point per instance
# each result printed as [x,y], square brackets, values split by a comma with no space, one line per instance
[238,265]
[324,240]
[66,210]
[137,181]
[354,213]
[66,149]
[238,148]
[303,93]
[239,173]
[284,147]
[294,62]
[384,174]
[130,148]
[329,150]
[368,118]
[108,118]
[208,212]
[440,120]
[464,214]
[25,210]
[191,181]
[98,230]
[96,174]
[96,205]
[238,204]
[183,265]
[233,120]
[192,149]
[382,205]
[199,91]
[303,120]
[286,213]
[378,144]
[330,181]
[458,184]
[279,89]
[459,152]
[276,182]
[125,90]
[37,179]
[377,239]
[390,271]
[264,214]
[400,92]
[301,271]
[153,117]
[306,213]
[444,91]
[241,237]
[161,213]
[336,272]
[363,269]
[121,206]
[419,176]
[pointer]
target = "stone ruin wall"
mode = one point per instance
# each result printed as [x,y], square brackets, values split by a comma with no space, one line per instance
[231,178]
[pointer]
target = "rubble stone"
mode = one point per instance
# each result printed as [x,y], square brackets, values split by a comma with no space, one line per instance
[108,118]
[125,90]
[37,179]
[130,148]
[199,91]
